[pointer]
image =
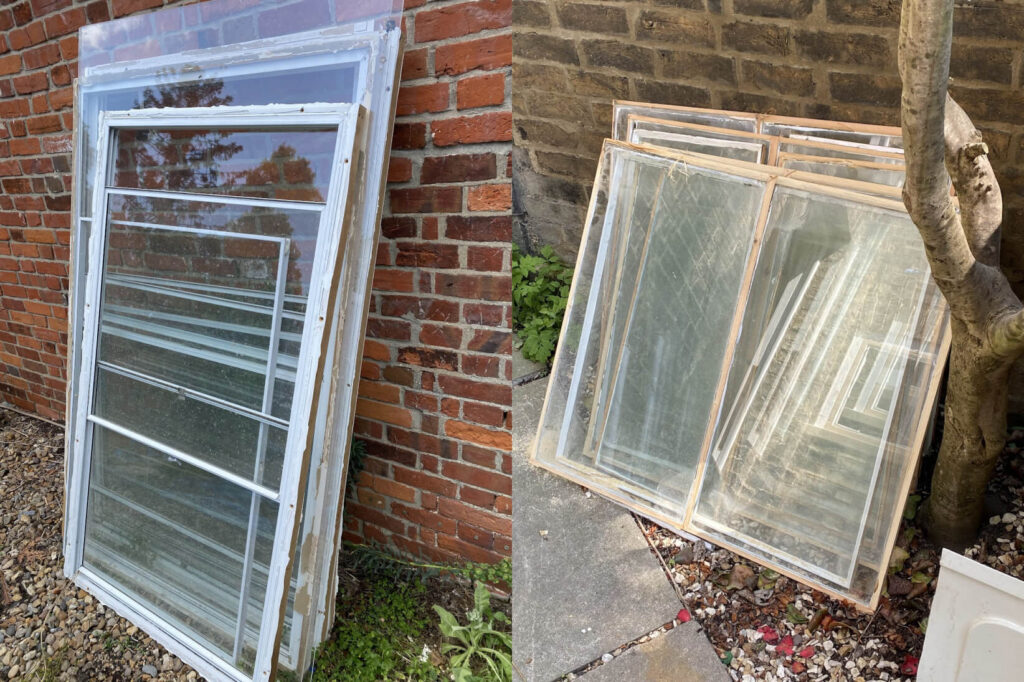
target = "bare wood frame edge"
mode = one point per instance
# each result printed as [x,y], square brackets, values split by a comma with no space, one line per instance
[840,188]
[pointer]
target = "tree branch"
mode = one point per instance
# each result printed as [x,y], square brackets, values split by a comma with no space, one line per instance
[981,202]
[1008,334]
[925,42]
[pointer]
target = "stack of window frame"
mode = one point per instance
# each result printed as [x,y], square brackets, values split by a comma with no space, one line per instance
[351,58]
[611,408]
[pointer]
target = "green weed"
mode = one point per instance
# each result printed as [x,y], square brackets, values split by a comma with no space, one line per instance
[540,290]
[479,645]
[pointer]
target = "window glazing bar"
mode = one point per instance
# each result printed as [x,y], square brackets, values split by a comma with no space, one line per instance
[248,365]
[295,299]
[263,491]
[196,395]
[261,451]
[128,282]
[196,197]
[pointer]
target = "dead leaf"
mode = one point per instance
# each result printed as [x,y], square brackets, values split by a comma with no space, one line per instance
[742,576]
[816,620]
[898,586]
[898,558]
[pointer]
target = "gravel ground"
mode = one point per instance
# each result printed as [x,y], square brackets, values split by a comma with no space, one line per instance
[786,631]
[49,629]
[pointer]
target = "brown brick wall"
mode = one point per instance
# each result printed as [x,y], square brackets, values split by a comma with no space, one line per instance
[817,58]
[434,396]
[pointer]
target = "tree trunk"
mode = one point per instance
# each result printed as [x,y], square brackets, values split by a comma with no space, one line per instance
[973,436]
[987,318]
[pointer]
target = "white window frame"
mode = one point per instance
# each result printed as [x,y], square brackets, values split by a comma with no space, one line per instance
[376,53]
[320,303]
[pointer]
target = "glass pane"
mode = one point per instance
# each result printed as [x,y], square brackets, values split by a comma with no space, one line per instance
[242,261]
[875,173]
[170,535]
[226,439]
[847,132]
[271,164]
[841,310]
[834,151]
[741,151]
[628,410]
[733,144]
[719,119]
[214,341]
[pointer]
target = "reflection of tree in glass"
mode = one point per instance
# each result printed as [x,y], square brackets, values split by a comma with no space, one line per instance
[211,161]
[178,160]
[283,176]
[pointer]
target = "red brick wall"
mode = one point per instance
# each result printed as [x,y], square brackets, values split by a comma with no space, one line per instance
[434,396]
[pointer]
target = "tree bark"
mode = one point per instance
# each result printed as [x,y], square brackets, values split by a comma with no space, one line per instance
[941,144]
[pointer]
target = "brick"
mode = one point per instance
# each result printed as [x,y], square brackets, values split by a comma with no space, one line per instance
[673,93]
[414,65]
[478,287]
[424,481]
[427,519]
[427,255]
[480,91]
[675,28]
[486,54]
[864,12]
[491,341]
[778,78]
[785,9]
[10,64]
[418,99]
[458,168]
[426,200]
[123,7]
[409,136]
[693,65]
[478,478]
[843,48]
[462,19]
[392,489]
[385,393]
[31,83]
[500,394]
[388,329]
[1003,21]
[389,414]
[761,38]
[531,13]
[399,169]
[481,366]
[465,550]
[429,357]
[866,89]
[441,335]
[493,127]
[489,198]
[539,46]
[479,229]
[438,310]
[485,258]
[971,62]
[592,18]
[479,313]
[618,55]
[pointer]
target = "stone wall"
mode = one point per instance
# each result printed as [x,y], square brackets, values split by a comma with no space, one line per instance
[831,59]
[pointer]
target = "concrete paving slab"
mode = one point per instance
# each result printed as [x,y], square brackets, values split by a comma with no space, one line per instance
[589,583]
[683,654]
[524,370]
